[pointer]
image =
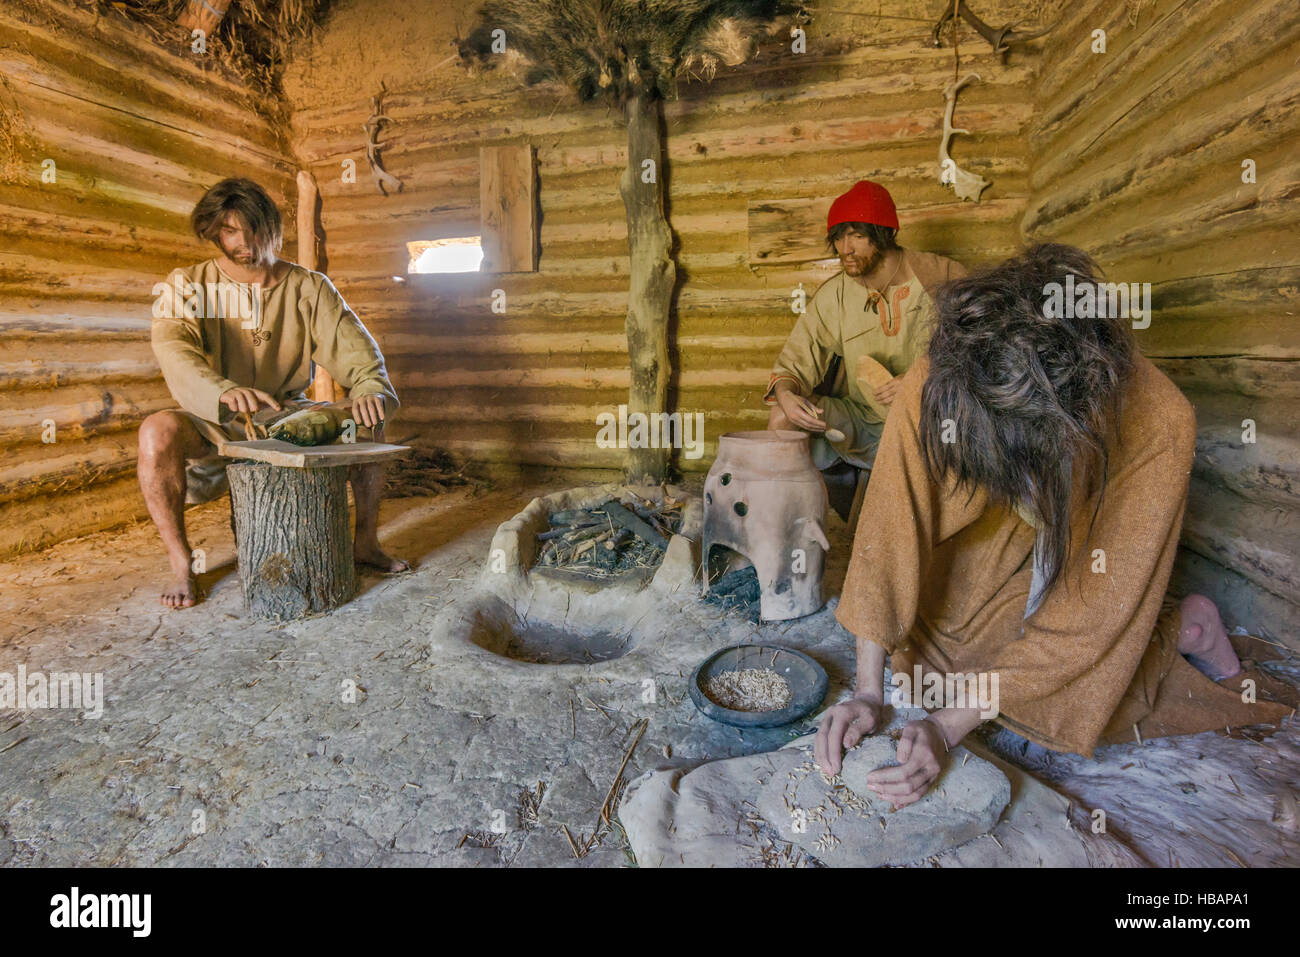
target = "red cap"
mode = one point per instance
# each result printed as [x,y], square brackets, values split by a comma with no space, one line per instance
[865,202]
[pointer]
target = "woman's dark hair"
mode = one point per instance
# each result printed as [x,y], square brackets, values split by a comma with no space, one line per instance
[257,210]
[882,237]
[1035,400]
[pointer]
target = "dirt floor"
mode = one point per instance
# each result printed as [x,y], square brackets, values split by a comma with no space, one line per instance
[226,741]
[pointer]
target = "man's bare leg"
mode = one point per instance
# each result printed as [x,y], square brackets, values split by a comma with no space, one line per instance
[1203,639]
[367,488]
[167,439]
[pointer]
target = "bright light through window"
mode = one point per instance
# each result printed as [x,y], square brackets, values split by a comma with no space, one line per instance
[462,254]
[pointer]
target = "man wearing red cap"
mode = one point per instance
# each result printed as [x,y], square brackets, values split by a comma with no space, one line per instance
[862,329]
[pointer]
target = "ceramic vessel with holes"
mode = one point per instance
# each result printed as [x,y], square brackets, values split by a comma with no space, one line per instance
[765,499]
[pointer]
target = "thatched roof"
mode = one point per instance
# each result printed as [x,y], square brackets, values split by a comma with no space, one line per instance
[613,49]
[253,38]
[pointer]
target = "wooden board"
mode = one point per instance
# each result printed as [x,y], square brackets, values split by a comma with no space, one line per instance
[276,452]
[508,208]
[788,231]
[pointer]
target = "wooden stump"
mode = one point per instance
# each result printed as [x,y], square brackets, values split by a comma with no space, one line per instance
[293,537]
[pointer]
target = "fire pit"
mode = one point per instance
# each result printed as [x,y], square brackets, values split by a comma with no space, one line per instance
[547,547]
[526,613]
[577,639]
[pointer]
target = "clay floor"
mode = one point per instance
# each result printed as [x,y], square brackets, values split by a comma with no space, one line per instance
[240,729]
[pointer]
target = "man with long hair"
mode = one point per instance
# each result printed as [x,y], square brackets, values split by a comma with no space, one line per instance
[1021,522]
[240,333]
[863,328]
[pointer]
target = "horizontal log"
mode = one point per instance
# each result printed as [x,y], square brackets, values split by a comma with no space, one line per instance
[1257,541]
[78,411]
[120,54]
[1146,79]
[1237,375]
[67,467]
[38,522]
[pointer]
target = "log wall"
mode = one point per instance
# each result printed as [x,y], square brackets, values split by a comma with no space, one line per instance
[136,134]
[1137,157]
[865,101]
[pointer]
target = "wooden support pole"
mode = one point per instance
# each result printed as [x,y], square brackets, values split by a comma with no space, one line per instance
[323,386]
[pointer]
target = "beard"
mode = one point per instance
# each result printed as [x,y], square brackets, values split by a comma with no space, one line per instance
[243,256]
[862,265]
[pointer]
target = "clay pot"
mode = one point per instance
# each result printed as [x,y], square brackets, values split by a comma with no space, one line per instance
[765,499]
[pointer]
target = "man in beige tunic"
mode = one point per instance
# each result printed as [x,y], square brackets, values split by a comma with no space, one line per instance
[839,371]
[240,333]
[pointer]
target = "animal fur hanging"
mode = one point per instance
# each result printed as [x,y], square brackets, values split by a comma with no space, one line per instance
[615,49]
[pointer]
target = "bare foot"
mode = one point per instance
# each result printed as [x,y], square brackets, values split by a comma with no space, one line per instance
[376,557]
[181,592]
[1204,641]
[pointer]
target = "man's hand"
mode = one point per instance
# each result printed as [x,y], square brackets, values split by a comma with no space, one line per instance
[800,411]
[247,400]
[842,728]
[920,754]
[885,394]
[368,410]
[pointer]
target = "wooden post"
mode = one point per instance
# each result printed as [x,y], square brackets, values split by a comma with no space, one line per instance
[203,15]
[652,277]
[294,538]
[323,386]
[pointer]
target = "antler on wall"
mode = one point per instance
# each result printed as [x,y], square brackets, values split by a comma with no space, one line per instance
[967,184]
[383,179]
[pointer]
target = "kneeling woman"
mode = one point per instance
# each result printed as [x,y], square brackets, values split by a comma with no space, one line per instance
[1021,521]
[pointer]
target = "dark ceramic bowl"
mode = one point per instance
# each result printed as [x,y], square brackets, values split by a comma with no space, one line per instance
[807,680]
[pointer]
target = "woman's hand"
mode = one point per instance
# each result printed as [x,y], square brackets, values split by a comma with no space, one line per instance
[921,750]
[842,727]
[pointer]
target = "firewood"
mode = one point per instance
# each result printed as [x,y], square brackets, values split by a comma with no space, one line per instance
[621,516]
[591,543]
[574,536]
[575,516]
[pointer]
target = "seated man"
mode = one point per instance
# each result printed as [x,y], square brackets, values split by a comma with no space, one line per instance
[222,354]
[866,325]
[1025,509]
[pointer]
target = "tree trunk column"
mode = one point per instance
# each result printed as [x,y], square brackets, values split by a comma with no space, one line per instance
[652,276]
[294,538]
